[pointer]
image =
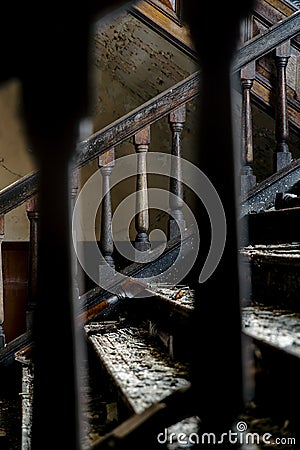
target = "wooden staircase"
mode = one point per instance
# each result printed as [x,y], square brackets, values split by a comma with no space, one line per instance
[144,337]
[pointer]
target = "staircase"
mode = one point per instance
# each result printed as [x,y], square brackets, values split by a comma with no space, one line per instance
[143,323]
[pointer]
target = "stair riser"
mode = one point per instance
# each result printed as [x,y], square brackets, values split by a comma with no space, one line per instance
[274,284]
[272,227]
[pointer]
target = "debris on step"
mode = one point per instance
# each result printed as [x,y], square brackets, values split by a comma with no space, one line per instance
[179,295]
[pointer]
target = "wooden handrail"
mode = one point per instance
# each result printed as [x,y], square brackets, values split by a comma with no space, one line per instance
[18,192]
[264,43]
[139,118]
[153,110]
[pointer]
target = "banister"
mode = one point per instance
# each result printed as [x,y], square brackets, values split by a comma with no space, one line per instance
[142,116]
[18,192]
[263,43]
[153,110]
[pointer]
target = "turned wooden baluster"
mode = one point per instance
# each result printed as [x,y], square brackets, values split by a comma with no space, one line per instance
[32,210]
[74,187]
[141,142]
[106,164]
[283,156]
[2,334]
[77,282]
[248,180]
[176,220]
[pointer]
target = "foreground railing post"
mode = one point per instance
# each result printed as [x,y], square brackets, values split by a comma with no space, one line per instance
[217,347]
[106,164]
[141,142]
[176,220]
[283,156]
[33,216]
[2,334]
[55,99]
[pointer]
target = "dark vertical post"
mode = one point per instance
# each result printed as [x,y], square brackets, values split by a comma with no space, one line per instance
[32,210]
[77,283]
[248,180]
[283,156]
[55,99]
[106,164]
[176,220]
[2,334]
[141,142]
[217,348]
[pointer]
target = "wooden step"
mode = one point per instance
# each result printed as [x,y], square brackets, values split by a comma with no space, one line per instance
[143,373]
[277,327]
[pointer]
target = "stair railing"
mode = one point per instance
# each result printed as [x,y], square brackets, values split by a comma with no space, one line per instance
[103,144]
[133,125]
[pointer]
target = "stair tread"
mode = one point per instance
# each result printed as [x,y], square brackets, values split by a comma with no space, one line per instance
[143,373]
[277,327]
